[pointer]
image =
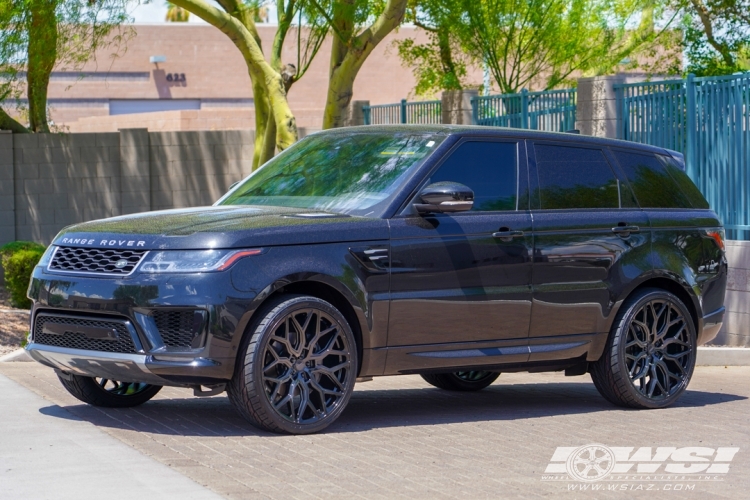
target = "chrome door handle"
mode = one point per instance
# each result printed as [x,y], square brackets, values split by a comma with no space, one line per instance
[625,229]
[507,235]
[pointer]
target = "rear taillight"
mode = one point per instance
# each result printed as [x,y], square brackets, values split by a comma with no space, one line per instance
[718,237]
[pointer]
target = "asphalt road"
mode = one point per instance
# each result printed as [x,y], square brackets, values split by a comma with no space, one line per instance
[399,438]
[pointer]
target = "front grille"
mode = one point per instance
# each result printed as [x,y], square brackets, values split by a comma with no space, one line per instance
[96,260]
[179,328]
[72,338]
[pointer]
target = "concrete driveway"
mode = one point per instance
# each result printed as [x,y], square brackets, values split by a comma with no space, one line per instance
[399,438]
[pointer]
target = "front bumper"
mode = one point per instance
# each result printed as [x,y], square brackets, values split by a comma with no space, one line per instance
[143,368]
[133,303]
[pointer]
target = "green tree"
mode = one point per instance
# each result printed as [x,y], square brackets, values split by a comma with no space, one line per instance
[275,125]
[358,26]
[176,14]
[440,63]
[538,44]
[716,35]
[544,43]
[39,35]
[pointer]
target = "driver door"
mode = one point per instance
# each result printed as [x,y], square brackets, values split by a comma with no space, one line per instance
[463,280]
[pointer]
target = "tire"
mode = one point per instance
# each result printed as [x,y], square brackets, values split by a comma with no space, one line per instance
[284,385]
[650,354]
[461,381]
[108,393]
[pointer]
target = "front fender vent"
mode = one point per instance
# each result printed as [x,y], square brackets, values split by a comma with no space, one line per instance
[180,328]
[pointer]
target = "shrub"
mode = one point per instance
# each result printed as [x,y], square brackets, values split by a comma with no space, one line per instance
[19,259]
[15,246]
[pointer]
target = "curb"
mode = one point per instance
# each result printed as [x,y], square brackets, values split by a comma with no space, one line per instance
[723,356]
[16,356]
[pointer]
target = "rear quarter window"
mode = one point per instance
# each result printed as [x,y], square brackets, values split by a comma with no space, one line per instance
[655,182]
[683,181]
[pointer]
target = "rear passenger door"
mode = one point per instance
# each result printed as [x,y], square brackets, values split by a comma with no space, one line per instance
[584,241]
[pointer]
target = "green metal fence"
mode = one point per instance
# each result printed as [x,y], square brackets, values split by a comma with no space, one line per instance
[403,112]
[551,110]
[708,120]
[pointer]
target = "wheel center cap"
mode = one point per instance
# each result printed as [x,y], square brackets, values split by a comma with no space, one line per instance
[299,365]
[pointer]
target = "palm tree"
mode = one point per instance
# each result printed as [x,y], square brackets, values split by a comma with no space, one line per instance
[176,14]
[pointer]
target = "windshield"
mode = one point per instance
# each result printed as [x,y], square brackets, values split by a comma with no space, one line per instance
[353,174]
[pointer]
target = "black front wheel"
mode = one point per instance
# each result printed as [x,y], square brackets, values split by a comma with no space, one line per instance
[461,381]
[297,366]
[108,393]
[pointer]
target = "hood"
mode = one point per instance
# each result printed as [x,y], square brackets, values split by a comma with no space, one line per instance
[222,227]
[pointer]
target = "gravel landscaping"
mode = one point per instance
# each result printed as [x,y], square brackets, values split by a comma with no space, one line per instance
[14,325]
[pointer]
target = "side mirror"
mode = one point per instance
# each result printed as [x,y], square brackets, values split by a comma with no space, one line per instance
[445,197]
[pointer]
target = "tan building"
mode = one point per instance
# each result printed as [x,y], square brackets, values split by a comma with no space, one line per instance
[202,82]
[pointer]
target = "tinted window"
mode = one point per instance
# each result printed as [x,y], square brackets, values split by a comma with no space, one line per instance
[677,172]
[355,173]
[652,185]
[574,177]
[489,168]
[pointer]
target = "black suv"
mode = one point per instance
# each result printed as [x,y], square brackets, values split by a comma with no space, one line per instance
[455,253]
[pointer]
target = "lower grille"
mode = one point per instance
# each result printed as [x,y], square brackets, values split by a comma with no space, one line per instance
[80,333]
[179,328]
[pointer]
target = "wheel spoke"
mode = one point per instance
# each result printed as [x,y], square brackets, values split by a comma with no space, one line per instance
[303,402]
[307,364]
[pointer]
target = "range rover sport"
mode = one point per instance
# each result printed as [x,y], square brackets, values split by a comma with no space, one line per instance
[456,253]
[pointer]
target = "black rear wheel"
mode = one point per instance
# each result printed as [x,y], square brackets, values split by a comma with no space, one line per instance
[650,354]
[108,393]
[461,381]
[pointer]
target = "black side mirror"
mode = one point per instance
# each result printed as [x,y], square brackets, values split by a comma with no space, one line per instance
[445,197]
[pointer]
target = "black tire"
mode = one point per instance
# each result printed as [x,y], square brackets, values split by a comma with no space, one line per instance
[108,393]
[461,381]
[650,354]
[283,385]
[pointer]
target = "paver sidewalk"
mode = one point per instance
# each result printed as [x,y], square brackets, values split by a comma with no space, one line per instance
[48,453]
[400,438]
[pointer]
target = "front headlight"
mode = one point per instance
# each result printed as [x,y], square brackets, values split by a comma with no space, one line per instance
[44,261]
[193,261]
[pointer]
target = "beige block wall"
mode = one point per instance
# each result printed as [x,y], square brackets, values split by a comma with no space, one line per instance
[736,328]
[214,69]
[50,181]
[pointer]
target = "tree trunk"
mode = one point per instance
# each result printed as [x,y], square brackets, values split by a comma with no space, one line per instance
[8,123]
[350,52]
[42,54]
[271,104]
[260,101]
[340,92]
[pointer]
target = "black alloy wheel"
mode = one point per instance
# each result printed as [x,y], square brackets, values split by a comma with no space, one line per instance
[650,355]
[108,393]
[297,368]
[461,381]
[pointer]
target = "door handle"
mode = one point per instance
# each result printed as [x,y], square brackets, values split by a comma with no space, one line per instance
[506,234]
[625,229]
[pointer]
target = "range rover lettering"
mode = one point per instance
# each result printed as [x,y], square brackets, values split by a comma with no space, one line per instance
[455,253]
